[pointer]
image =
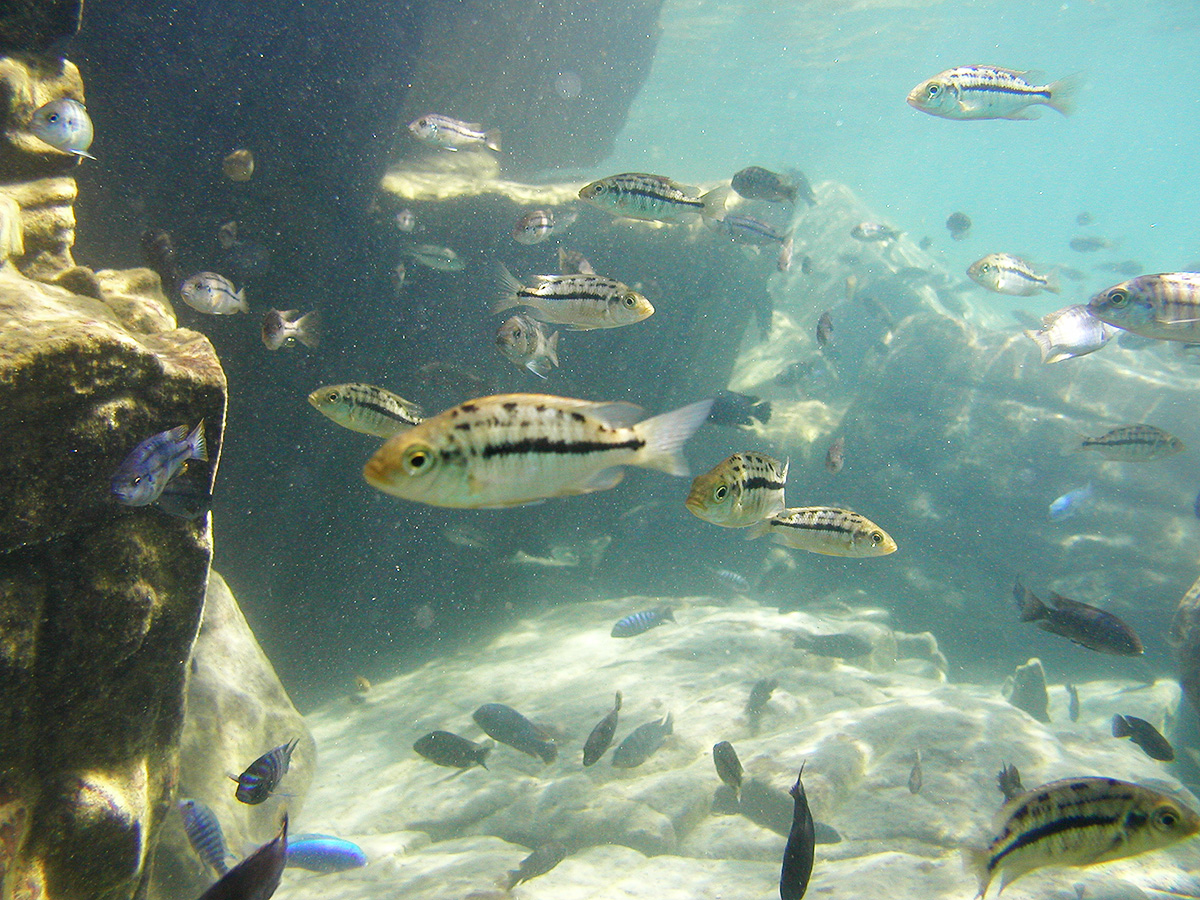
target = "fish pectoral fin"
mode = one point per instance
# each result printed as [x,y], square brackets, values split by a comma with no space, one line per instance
[1022,114]
[602,480]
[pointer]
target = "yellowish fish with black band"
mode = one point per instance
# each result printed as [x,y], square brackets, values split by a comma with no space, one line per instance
[826,530]
[739,491]
[513,449]
[366,408]
[1079,822]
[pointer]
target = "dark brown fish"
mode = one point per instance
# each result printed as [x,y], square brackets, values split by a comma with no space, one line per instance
[757,183]
[447,749]
[1144,735]
[159,251]
[916,777]
[257,876]
[1184,636]
[729,767]
[760,695]
[835,456]
[539,862]
[1078,622]
[1090,244]
[959,225]
[824,330]
[845,645]
[798,854]
[602,735]
[1008,779]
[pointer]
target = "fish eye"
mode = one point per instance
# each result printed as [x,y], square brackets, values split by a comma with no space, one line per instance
[417,460]
[631,300]
[333,397]
[137,480]
[932,90]
[1118,298]
[516,332]
[876,538]
[986,267]
[721,492]
[1165,817]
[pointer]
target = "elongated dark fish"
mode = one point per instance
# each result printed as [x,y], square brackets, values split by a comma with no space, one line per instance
[824,330]
[257,876]
[1078,622]
[732,409]
[641,622]
[539,862]
[845,645]
[324,853]
[146,471]
[729,767]
[1144,735]
[447,749]
[1134,443]
[263,775]
[916,777]
[1008,780]
[601,737]
[204,833]
[642,742]
[159,251]
[1072,703]
[506,725]
[760,695]
[798,854]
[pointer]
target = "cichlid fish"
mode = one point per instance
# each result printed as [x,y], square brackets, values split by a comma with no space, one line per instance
[539,862]
[535,227]
[756,704]
[447,749]
[572,262]
[257,876]
[916,778]
[798,854]
[513,449]
[1008,780]
[144,474]
[506,725]
[601,736]
[988,92]
[959,225]
[406,221]
[263,775]
[1144,735]
[739,491]
[824,330]
[1134,443]
[366,409]
[641,622]
[158,248]
[654,198]
[452,134]
[1165,306]
[582,302]
[1004,273]
[204,833]
[523,341]
[431,256]
[748,230]
[65,125]
[1080,822]
[324,853]
[283,327]
[214,294]
[826,530]
[642,742]
[729,767]
[1072,703]
[757,183]
[835,456]
[731,409]
[1072,502]
[1070,332]
[874,231]
[1090,244]
[1078,622]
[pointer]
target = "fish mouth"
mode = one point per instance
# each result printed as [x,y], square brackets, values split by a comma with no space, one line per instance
[915,97]
[378,474]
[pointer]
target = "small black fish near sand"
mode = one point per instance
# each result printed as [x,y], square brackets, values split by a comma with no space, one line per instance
[824,330]
[602,735]
[959,225]
[263,775]
[798,854]
[1072,703]
[847,646]
[760,695]
[729,767]
[1078,622]
[1144,735]
[732,409]
[641,622]
[539,862]
[257,876]
[448,749]
[506,725]
[1008,780]
[642,742]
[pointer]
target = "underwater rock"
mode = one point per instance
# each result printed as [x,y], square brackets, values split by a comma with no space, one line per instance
[38,24]
[1029,690]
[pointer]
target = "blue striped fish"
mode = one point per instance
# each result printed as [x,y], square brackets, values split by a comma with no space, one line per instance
[324,853]
[263,775]
[145,472]
[989,92]
[204,833]
[641,622]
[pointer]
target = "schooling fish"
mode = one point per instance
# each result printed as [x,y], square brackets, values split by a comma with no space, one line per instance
[641,743]
[1144,735]
[523,341]
[988,92]
[641,622]
[1072,502]
[514,449]
[916,778]
[845,645]
[506,725]
[582,302]
[1070,332]
[447,749]
[324,853]
[1134,443]
[214,294]
[1008,780]
[1078,622]
[539,862]
[283,327]
[366,408]
[654,198]
[729,767]
[835,456]
[741,490]
[452,134]
[263,775]
[824,330]
[1072,703]
[1090,244]
[158,248]
[257,876]
[145,472]
[757,183]
[1165,306]
[1080,822]
[748,230]
[798,854]
[65,125]
[535,227]
[1004,273]
[602,735]
[826,530]
[204,833]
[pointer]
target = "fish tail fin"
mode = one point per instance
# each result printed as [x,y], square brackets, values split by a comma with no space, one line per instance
[565,220]
[1120,727]
[552,349]
[83,153]
[1032,609]
[1053,284]
[617,703]
[240,296]
[510,289]
[482,754]
[668,614]
[540,366]
[784,262]
[198,443]
[491,139]
[714,202]
[669,723]
[976,860]
[308,329]
[1064,93]
[1043,343]
[666,434]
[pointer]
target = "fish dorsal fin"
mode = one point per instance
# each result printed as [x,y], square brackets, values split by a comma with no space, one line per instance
[616,414]
[1061,602]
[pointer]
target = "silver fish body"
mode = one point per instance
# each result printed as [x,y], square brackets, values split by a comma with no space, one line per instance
[214,294]
[826,530]
[653,198]
[65,125]
[441,259]
[1134,443]
[739,491]
[1165,306]
[288,326]
[535,227]
[581,302]
[1070,332]
[453,134]
[513,449]
[1004,273]
[748,230]
[523,341]
[366,408]
[145,472]
[989,92]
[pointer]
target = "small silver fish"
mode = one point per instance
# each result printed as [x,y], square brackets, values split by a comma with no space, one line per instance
[1134,443]
[873,231]
[1004,273]
[366,408]
[523,340]
[214,294]
[653,198]
[989,92]
[827,530]
[441,259]
[145,472]
[65,125]
[582,302]
[282,327]
[1071,503]
[535,227]
[1164,306]
[1070,332]
[452,134]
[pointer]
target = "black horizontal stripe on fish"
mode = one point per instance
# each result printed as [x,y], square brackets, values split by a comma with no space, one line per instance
[814,526]
[546,445]
[761,481]
[1120,442]
[1057,826]
[1005,89]
[666,198]
[581,295]
[382,410]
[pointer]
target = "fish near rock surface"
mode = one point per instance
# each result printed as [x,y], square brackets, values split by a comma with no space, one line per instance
[1184,637]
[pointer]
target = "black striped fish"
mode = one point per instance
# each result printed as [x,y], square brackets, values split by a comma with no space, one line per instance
[641,622]
[1166,306]
[653,198]
[1004,273]
[204,833]
[263,775]
[1134,443]
[739,491]
[513,449]
[989,92]
[1080,822]
[366,408]
[827,530]
[453,134]
[581,302]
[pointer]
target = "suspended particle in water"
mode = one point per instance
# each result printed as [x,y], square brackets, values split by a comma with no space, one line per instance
[568,85]
[238,165]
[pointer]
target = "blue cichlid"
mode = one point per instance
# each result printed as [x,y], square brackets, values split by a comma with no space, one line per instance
[642,742]
[65,125]
[264,774]
[324,853]
[1071,502]
[641,622]
[506,725]
[204,834]
[141,478]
